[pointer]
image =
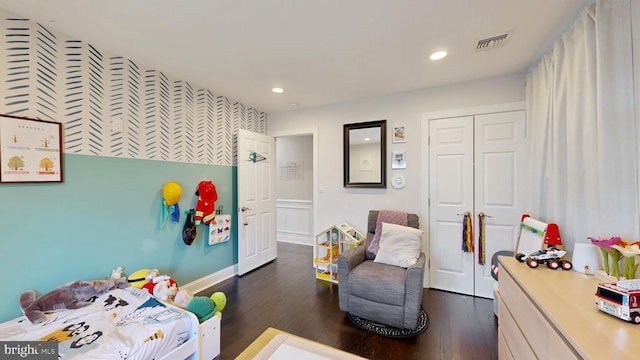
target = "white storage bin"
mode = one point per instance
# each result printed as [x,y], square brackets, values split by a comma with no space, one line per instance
[209,342]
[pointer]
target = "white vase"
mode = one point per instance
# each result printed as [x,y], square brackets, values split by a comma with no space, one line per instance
[587,256]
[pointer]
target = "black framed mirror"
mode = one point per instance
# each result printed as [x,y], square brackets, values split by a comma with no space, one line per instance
[364,149]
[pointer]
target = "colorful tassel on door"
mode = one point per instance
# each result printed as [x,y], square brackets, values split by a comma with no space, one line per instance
[481,239]
[467,233]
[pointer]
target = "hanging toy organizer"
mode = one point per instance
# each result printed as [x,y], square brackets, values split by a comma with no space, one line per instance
[220,227]
[535,235]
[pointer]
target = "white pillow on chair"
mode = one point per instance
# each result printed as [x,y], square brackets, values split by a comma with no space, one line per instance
[399,245]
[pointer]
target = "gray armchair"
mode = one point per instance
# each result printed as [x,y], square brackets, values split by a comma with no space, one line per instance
[385,294]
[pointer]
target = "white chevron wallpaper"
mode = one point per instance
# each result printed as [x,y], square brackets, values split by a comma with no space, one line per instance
[48,76]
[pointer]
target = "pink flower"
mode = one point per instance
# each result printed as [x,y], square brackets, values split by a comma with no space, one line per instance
[609,251]
[606,243]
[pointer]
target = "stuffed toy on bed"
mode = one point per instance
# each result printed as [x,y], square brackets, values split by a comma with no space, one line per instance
[72,295]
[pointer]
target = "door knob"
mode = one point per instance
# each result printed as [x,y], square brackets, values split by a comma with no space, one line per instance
[244,208]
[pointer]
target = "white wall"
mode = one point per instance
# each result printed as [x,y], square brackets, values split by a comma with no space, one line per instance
[337,204]
[296,150]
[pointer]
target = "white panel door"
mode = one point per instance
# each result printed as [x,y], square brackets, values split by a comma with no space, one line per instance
[256,200]
[499,140]
[474,165]
[450,194]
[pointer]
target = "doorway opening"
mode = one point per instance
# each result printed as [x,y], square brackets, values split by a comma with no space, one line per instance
[296,185]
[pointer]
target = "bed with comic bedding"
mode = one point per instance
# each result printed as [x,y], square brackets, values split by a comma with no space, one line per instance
[122,323]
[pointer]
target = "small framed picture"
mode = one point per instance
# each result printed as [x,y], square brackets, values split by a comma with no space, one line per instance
[398,134]
[399,159]
[30,150]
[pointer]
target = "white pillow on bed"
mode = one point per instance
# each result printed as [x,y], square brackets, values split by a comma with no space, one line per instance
[399,245]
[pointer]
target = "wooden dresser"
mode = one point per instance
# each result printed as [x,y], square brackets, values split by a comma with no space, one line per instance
[551,314]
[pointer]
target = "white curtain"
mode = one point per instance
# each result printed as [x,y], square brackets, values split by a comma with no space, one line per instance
[582,127]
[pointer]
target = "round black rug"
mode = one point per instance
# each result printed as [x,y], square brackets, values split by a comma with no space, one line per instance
[390,331]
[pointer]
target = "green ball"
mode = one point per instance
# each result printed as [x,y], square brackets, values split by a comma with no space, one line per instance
[220,299]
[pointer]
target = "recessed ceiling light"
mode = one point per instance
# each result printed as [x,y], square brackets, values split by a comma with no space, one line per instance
[438,55]
[277,90]
[367,139]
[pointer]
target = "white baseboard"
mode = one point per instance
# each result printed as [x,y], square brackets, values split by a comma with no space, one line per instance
[208,281]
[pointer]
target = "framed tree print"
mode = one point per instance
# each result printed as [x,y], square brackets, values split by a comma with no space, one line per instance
[30,150]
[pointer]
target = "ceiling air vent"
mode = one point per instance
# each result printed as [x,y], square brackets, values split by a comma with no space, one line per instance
[492,42]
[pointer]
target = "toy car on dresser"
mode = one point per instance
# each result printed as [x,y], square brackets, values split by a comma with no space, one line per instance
[621,299]
[550,256]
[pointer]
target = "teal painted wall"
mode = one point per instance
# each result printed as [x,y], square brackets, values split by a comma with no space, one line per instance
[105,215]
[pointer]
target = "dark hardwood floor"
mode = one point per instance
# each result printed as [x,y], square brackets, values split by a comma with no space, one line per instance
[284,294]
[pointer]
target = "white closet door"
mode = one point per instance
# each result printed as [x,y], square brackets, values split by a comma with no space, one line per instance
[450,194]
[499,140]
[474,165]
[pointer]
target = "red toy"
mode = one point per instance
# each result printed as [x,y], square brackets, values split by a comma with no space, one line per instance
[549,251]
[621,300]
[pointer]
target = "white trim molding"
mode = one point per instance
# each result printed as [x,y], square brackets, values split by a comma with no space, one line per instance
[295,221]
[210,280]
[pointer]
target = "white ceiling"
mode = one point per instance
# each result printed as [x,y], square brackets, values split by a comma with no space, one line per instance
[320,51]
